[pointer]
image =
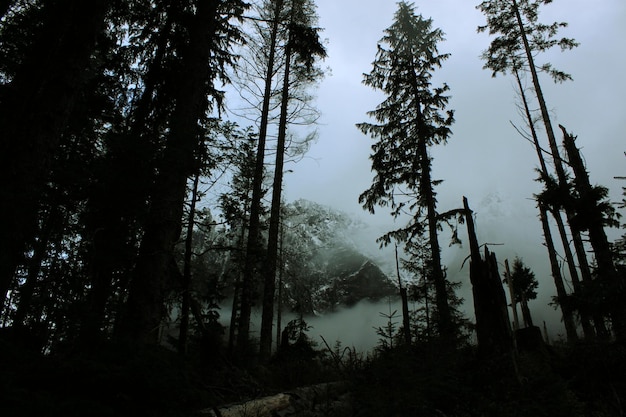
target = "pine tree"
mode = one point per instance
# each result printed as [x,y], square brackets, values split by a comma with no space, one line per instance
[524,287]
[276,69]
[302,49]
[253,245]
[520,37]
[203,59]
[411,119]
[236,207]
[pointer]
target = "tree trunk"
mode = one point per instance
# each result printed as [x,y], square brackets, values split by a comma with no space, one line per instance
[509,283]
[568,321]
[589,333]
[446,327]
[528,319]
[234,315]
[33,115]
[279,301]
[601,331]
[588,329]
[406,320]
[313,400]
[558,163]
[269,287]
[40,247]
[592,219]
[236,305]
[163,226]
[253,247]
[186,284]
[117,208]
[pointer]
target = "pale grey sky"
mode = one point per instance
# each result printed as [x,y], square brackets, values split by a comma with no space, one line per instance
[484,153]
[485,159]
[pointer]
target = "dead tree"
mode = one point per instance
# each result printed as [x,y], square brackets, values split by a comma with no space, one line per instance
[590,216]
[493,328]
[509,283]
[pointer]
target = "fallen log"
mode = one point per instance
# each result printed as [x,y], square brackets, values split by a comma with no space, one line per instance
[290,403]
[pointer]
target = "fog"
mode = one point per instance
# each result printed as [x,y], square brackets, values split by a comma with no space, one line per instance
[355,327]
[507,228]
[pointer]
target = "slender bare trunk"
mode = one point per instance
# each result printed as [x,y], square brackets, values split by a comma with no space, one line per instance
[269,287]
[555,213]
[558,164]
[446,328]
[570,326]
[279,301]
[186,281]
[509,283]
[406,321]
[253,245]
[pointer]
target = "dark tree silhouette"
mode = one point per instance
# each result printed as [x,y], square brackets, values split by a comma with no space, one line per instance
[411,120]
[253,246]
[203,60]
[524,287]
[520,37]
[302,49]
[592,213]
[34,111]
[493,329]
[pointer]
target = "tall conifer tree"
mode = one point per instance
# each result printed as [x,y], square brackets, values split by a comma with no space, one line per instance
[303,47]
[412,118]
[35,107]
[203,59]
[520,36]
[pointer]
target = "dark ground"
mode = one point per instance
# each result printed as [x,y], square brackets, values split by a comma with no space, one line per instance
[579,380]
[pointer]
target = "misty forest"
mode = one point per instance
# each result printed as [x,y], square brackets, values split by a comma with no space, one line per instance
[150,264]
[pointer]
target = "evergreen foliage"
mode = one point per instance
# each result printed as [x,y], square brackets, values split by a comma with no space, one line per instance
[506,51]
[524,282]
[412,118]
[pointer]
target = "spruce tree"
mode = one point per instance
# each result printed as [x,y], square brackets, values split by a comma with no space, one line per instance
[524,286]
[412,118]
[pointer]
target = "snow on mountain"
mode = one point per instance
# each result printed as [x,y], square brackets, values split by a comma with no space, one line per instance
[324,267]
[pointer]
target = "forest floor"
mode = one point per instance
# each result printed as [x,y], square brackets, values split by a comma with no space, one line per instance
[586,379]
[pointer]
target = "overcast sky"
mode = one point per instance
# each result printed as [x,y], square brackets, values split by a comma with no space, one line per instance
[485,155]
[485,159]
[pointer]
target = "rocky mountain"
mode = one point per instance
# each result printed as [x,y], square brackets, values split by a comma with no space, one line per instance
[323,266]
